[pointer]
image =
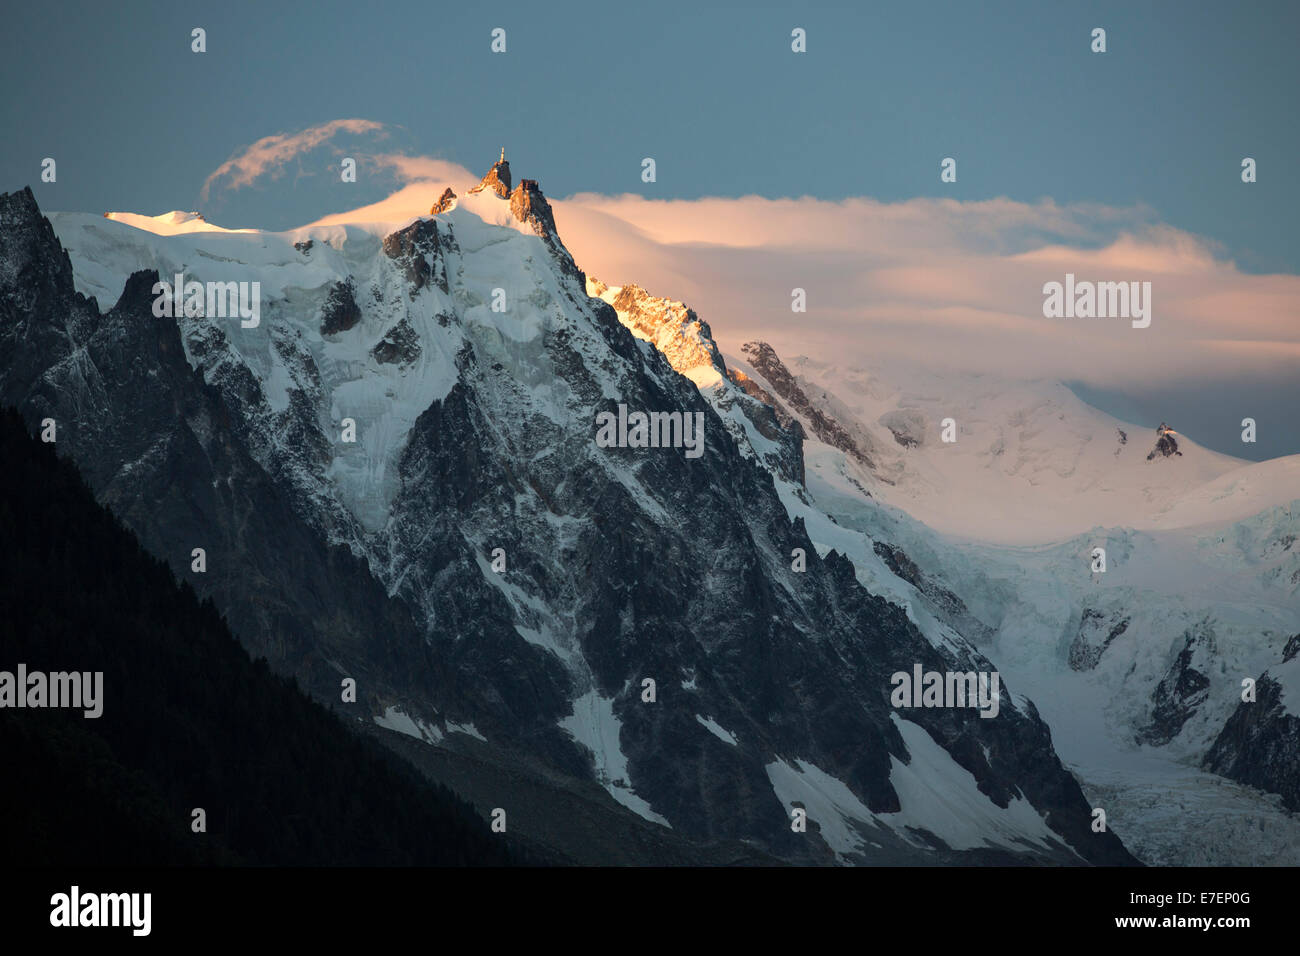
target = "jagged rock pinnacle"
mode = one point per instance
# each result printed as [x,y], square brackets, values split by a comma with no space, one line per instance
[445,202]
[528,204]
[1166,444]
[497,178]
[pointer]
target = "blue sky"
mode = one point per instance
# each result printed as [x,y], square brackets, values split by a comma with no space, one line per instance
[137,121]
[711,91]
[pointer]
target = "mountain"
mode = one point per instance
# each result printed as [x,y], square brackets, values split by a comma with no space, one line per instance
[1042,463]
[514,597]
[1139,669]
[186,719]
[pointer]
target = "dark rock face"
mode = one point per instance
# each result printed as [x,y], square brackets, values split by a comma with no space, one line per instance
[1180,691]
[1260,744]
[164,451]
[340,311]
[1096,632]
[903,438]
[768,364]
[447,200]
[1292,647]
[622,563]
[172,463]
[1166,447]
[399,346]
[776,425]
[36,274]
[949,605]
[754,390]
[304,247]
[419,250]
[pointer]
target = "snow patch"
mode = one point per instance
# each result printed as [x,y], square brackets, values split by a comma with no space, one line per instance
[726,736]
[939,795]
[394,718]
[594,725]
[829,803]
[465,729]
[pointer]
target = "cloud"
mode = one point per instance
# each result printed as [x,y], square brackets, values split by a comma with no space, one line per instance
[940,282]
[271,153]
[423,169]
[945,283]
[424,179]
[399,208]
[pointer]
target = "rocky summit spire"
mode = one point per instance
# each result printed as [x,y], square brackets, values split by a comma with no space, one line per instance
[446,201]
[528,205]
[497,178]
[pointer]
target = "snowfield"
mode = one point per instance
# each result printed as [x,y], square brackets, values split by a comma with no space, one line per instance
[1203,558]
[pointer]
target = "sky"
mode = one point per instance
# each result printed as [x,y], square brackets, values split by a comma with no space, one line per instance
[774,170]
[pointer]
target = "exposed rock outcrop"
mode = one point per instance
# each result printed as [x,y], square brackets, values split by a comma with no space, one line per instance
[418,249]
[446,201]
[1096,632]
[686,341]
[1166,444]
[340,311]
[1260,743]
[497,179]
[1182,690]
[399,346]
[768,364]
[528,205]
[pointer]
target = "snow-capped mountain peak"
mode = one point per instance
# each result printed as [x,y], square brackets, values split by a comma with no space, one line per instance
[395,477]
[169,223]
[1017,462]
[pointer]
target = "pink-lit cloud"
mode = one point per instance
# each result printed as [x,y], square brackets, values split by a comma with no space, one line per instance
[947,283]
[423,169]
[270,154]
